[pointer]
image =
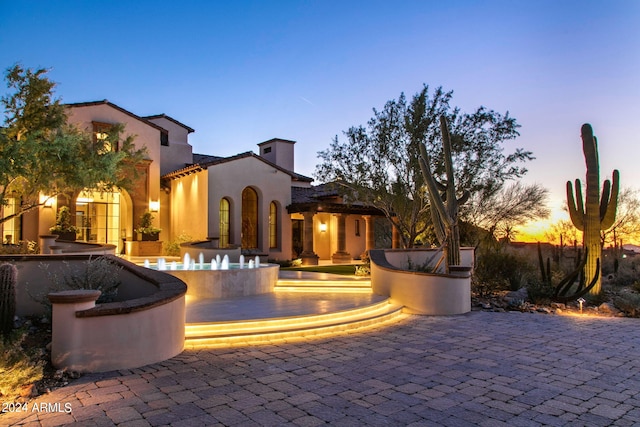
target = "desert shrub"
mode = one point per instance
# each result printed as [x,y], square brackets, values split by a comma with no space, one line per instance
[499,270]
[365,268]
[628,303]
[18,366]
[628,273]
[99,273]
[286,263]
[22,247]
[539,291]
[596,300]
[172,248]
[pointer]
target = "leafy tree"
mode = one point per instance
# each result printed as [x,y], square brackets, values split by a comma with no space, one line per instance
[378,163]
[626,228]
[503,211]
[562,233]
[41,153]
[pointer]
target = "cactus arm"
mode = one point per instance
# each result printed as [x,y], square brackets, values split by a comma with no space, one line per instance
[592,284]
[604,198]
[565,284]
[441,187]
[443,204]
[609,216]
[438,226]
[545,278]
[448,167]
[576,211]
[432,188]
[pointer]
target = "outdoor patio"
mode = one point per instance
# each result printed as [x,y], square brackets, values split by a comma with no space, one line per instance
[482,368]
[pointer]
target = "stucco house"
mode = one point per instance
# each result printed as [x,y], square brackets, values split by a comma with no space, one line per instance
[254,201]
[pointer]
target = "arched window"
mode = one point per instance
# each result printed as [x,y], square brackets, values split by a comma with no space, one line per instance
[249,218]
[273,225]
[224,223]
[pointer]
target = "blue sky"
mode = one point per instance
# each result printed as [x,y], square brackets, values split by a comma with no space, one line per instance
[242,72]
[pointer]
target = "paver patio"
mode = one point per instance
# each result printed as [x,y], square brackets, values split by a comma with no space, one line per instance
[482,368]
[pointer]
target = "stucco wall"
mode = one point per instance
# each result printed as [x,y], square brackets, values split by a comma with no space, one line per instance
[146,135]
[419,293]
[230,179]
[190,206]
[116,341]
[324,243]
[179,152]
[145,325]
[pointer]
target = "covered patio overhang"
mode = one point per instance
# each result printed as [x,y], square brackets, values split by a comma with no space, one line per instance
[309,209]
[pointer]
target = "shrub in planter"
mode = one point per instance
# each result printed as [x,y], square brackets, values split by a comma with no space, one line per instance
[99,273]
[146,228]
[63,228]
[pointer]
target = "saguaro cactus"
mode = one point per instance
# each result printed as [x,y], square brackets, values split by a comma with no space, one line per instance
[442,197]
[598,213]
[8,280]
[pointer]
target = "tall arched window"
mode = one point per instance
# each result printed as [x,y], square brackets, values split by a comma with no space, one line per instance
[249,218]
[224,223]
[273,225]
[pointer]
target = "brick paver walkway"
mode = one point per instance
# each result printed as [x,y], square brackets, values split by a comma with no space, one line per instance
[487,369]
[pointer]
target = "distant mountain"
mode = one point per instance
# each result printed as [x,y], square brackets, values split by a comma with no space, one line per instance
[634,248]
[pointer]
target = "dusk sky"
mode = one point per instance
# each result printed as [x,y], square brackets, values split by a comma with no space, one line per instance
[241,72]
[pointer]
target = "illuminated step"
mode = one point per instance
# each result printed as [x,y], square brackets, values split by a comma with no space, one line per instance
[363,283]
[223,334]
[315,289]
[332,286]
[287,323]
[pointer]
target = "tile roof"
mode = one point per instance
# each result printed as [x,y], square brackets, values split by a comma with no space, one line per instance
[203,161]
[171,119]
[116,107]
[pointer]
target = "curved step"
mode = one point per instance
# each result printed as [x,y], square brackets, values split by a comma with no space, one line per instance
[307,285]
[223,334]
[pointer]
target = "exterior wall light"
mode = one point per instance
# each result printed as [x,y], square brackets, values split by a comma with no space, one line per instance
[47,201]
[323,227]
[154,206]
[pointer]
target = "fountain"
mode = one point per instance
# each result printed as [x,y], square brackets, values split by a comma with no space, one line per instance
[220,278]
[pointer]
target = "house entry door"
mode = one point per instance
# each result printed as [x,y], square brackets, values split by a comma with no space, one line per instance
[98,218]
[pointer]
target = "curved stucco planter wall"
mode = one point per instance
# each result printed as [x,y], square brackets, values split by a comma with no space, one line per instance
[50,245]
[420,293]
[94,341]
[145,326]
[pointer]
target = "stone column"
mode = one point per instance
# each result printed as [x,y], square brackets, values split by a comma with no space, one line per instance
[308,256]
[369,242]
[341,254]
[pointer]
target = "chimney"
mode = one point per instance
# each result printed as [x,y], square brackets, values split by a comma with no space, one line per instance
[278,151]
